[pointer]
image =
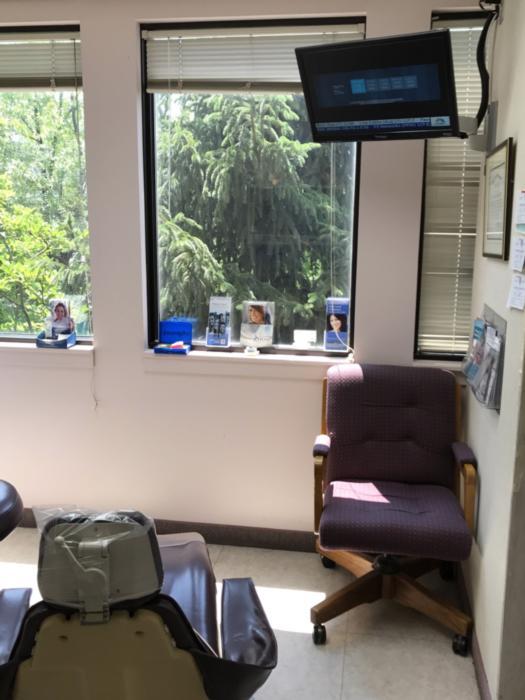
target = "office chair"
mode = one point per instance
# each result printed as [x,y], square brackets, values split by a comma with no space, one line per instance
[394,489]
[129,616]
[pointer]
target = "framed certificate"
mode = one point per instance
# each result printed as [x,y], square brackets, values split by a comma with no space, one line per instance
[498,201]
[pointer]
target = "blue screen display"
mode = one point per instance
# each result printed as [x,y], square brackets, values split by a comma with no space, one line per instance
[376,86]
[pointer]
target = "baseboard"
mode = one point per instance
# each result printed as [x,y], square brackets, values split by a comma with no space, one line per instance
[477,659]
[236,535]
[481,676]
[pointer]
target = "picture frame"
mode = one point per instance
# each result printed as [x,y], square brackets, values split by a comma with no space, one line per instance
[498,201]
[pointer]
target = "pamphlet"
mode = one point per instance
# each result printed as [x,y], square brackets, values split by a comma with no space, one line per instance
[520,211]
[257,323]
[336,330]
[518,253]
[218,331]
[516,299]
[482,364]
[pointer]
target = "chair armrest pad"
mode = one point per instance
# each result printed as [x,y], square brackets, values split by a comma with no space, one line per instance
[321,446]
[14,603]
[463,454]
[246,633]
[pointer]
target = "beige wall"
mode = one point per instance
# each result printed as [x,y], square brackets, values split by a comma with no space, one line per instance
[192,437]
[493,436]
[229,441]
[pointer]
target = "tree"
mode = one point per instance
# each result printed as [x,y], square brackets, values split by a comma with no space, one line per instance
[272,208]
[29,248]
[189,272]
[43,208]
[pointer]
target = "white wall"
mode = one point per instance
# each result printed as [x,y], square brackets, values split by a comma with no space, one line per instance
[229,441]
[493,436]
[161,435]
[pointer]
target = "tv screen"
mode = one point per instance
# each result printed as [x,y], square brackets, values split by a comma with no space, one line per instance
[397,87]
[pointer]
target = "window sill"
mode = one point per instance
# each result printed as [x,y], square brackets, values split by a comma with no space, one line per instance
[28,355]
[452,365]
[234,364]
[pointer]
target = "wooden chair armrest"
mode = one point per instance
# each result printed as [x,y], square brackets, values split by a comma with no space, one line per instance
[319,479]
[320,452]
[468,471]
[466,487]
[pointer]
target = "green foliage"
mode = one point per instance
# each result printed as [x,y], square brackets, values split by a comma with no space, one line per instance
[189,272]
[271,210]
[29,248]
[43,215]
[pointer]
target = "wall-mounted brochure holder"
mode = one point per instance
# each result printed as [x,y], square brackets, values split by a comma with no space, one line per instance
[483,363]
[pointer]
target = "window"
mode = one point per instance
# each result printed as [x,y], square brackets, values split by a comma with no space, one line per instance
[452,175]
[44,250]
[241,202]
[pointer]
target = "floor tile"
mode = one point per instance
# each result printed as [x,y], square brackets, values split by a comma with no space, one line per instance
[304,671]
[379,668]
[214,551]
[21,546]
[298,570]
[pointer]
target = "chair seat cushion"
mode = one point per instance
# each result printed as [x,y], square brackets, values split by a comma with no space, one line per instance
[394,518]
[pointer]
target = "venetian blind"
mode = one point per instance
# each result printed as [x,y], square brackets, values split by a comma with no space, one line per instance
[37,60]
[449,220]
[234,58]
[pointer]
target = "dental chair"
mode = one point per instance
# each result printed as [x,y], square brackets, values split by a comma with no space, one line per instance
[127,615]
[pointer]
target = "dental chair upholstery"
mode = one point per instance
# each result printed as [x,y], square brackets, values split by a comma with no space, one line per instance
[126,615]
[13,602]
[394,489]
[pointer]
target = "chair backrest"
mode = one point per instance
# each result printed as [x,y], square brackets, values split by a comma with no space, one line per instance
[390,423]
[90,562]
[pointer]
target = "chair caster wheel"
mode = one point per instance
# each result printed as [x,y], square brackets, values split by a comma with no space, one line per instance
[460,645]
[327,563]
[319,634]
[447,570]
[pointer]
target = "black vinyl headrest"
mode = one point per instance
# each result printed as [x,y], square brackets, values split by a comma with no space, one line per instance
[11,509]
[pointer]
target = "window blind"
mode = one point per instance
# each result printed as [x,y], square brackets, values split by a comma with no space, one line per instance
[452,175]
[36,60]
[234,58]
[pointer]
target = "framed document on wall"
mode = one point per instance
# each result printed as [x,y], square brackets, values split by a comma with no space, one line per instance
[498,201]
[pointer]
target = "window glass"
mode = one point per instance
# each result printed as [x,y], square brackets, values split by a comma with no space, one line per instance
[245,204]
[249,207]
[452,176]
[44,252]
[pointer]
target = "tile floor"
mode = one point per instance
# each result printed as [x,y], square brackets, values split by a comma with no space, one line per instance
[376,652]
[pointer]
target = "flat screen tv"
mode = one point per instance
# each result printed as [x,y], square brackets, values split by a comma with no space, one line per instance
[399,87]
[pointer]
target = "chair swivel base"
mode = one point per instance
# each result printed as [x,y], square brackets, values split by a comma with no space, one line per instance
[373,584]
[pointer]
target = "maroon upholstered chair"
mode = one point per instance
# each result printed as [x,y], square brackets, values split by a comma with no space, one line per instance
[387,489]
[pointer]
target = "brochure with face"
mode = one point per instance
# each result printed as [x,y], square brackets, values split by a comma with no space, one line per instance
[59,322]
[218,330]
[336,333]
[257,323]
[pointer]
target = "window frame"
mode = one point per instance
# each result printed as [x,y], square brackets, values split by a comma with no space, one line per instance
[150,186]
[419,355]
[11,337]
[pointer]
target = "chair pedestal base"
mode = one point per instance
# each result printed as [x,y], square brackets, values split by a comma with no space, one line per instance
[373,585]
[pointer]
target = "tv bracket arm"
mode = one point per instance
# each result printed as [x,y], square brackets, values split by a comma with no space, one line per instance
[469,126]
